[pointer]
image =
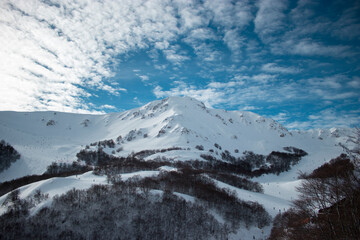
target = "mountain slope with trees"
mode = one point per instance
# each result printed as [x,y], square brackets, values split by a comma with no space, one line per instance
[233,170]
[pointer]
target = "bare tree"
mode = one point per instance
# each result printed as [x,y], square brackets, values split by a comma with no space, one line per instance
[328,204]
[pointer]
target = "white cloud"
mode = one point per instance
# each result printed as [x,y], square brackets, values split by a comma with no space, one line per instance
[173,55]
[274,68]
[333,87]
[209,96]
[162,45]
[262,78]
[306,21]
[110,89]
[331,95]
[232,17]
[201,34]
[249,108]
[270,18]
[229,14]
[295,33]
[62,48]
[308,47]
[348,25]
[355,82]
[234,41]
[303,11]
[143,78]
[329,118]
[334,82]
[191,15]
[198,39]
[338,96]
[225,84]
[160,67]
[311,48]
[106,106]
[207,52]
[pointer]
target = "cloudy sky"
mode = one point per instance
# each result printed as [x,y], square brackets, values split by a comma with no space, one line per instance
[297,61]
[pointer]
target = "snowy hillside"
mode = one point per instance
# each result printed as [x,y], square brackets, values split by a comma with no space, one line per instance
[173,129]
[45,137]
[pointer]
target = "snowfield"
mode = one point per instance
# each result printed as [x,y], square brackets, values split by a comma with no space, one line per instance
[183,123]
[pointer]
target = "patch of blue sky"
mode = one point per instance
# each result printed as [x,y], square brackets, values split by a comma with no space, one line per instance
[296,61]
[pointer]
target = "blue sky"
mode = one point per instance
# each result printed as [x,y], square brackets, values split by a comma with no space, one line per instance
[295,61]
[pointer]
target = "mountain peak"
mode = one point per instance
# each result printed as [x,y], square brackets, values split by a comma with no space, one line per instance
[180,101]
[180,122]
[171,106]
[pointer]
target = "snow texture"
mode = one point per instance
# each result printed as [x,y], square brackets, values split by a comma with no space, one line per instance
[45,137]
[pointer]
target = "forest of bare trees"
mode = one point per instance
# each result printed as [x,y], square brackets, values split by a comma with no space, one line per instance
[328,206]
[137,208]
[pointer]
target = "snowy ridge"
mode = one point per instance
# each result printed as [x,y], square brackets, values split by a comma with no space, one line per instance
[45,137]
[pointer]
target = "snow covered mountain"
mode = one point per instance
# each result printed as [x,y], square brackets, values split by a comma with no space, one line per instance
[182,122]
[175,129]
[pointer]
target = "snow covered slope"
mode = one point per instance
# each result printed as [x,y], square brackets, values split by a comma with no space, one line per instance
[45,137]
[180,129]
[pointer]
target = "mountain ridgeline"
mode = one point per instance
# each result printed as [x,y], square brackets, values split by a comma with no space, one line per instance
[184,126]
[172,169]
